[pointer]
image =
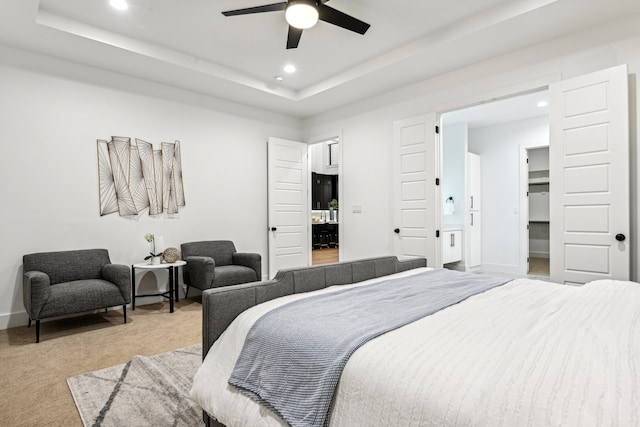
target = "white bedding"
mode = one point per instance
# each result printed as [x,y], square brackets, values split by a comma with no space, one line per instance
[528,353]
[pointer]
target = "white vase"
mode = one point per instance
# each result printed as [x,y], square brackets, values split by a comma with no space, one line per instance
[156,260]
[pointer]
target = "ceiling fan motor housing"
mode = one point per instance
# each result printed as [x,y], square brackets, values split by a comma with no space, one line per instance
[301,14]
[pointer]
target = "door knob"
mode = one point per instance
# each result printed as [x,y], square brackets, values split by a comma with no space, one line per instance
[397,230]
[274,229]
[620,237]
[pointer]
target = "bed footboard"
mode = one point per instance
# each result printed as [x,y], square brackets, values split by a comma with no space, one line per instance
[221,305]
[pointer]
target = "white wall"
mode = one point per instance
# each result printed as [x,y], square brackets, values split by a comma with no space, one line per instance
[367,126]
[49,125]
[499,149]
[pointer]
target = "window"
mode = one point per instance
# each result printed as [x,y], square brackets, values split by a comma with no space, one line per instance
[334,154]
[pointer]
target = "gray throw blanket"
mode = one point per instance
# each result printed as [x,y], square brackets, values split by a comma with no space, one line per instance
[293,356]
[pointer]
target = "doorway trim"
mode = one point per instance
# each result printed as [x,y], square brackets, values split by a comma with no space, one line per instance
[320,138]
[520,264]
[524,207]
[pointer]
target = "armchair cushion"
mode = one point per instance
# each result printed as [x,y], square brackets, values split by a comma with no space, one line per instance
[227,275]
[81,296]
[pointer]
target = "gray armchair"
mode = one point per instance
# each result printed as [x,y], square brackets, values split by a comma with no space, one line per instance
[69,282]
[215,263]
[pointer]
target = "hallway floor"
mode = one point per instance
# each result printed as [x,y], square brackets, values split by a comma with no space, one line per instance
[324,256]
[539,266]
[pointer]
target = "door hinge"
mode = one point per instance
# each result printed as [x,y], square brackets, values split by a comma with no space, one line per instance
[437,233]
[527,160]
[527,226]
[437,129]
[527,194]
[527,259]
[437,181]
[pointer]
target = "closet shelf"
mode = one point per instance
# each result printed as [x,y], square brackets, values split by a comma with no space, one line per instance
[542,180]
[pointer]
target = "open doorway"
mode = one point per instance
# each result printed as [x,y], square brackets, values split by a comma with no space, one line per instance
[324,161]
[538,198]
[484,220]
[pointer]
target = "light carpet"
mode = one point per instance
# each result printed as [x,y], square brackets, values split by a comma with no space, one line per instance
[145,391]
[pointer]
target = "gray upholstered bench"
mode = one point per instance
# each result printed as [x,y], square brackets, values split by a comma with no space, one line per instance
[221,305]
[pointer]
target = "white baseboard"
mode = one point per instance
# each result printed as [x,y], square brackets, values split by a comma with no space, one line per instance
[13,320]
[21,318]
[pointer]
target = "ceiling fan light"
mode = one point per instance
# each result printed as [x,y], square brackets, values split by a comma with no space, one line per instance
[301,14]
[119,4]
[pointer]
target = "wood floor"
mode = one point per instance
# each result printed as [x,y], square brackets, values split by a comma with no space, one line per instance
[539,266]
[324,256]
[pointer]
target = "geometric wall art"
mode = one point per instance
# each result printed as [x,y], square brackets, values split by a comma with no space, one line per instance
[136,177]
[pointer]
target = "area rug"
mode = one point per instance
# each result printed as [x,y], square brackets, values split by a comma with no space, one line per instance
[147,391]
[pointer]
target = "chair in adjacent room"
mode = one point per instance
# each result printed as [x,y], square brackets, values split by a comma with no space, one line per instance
[73,282]
[215,263]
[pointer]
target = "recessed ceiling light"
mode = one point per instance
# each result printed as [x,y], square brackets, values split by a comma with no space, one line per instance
[279,78]
[542,104]
[289,68]
[119,4]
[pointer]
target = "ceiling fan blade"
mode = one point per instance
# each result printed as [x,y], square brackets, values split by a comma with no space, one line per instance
[257,9]
[335,17]
[293,38]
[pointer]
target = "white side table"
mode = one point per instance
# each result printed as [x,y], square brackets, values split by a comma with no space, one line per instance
[173,281]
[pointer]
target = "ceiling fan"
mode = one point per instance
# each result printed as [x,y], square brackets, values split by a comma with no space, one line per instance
[303,14]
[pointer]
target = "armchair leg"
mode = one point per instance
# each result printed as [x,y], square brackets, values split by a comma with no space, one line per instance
[124,310]
[38,331]
[29,321]
[186,292]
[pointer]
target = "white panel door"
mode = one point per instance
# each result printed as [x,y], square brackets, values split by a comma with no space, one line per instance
[589,175]
[415,191]
[288,205]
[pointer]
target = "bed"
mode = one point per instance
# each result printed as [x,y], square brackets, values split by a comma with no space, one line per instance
[522,352]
